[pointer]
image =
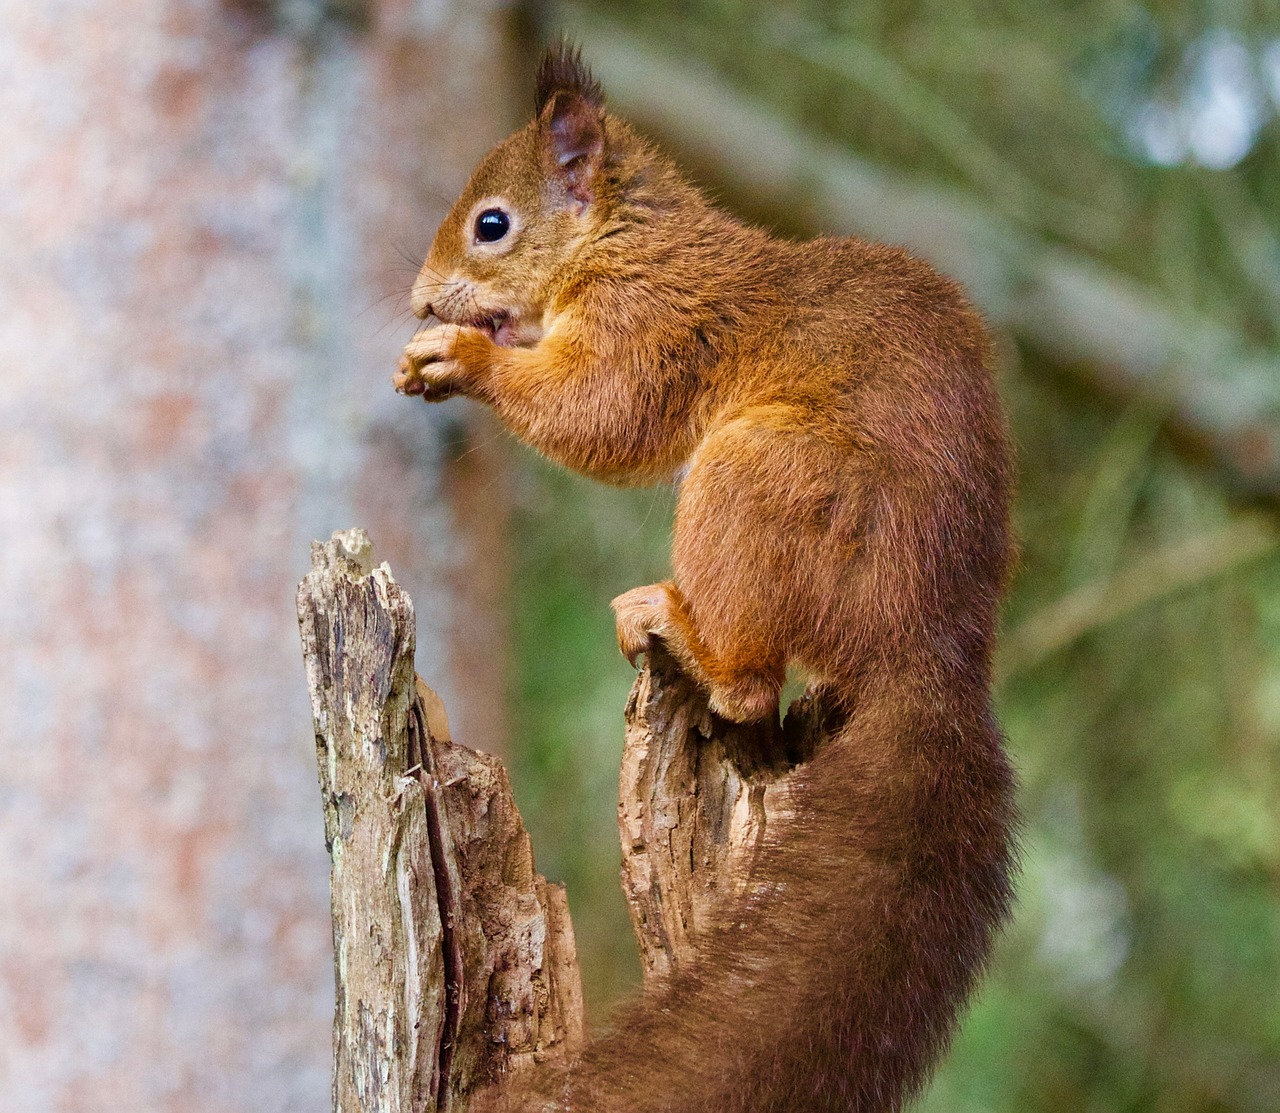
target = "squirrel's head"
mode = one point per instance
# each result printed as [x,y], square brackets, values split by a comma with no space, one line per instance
[529,206]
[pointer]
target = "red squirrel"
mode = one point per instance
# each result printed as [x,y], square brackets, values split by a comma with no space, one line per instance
[828,412]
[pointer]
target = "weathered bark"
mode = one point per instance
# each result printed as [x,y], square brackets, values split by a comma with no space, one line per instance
[454,960]
[695,797]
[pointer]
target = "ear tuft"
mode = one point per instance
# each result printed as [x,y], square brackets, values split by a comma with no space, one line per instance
[562,70]
[571,122]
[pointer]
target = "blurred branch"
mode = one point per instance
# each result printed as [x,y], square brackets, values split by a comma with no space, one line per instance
[879,75]
[1147,580]
[1109,329]
[1250,239]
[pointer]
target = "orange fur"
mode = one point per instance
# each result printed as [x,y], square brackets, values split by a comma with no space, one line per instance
[828,412]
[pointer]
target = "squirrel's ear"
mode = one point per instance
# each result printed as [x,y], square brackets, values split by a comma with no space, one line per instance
[570,107]
[573,140]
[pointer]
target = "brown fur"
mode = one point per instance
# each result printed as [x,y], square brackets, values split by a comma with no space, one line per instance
[843,506]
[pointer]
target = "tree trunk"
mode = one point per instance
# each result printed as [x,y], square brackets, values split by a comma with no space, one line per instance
[201,207]
[454,959]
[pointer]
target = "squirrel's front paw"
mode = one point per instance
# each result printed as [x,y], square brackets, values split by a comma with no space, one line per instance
[642,614]
[430,365]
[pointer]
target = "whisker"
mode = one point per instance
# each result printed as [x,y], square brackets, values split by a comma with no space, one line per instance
[477,443]
[403,317]
[402,266]
[423,268]
[397,294]
[413,258]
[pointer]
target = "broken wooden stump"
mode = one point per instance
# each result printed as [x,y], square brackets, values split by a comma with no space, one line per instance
[454,960]
[695,797]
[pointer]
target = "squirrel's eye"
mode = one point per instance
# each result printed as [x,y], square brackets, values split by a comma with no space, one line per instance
[492,225]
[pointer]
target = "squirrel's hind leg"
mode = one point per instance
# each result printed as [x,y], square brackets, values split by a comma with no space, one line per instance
[660,610]
[760,555]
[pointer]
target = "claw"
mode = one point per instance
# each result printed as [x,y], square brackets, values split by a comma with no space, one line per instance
[641,616]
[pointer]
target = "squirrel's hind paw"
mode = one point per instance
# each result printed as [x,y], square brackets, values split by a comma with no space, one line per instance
[642,613]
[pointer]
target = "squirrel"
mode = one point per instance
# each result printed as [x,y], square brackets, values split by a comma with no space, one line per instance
[828,411]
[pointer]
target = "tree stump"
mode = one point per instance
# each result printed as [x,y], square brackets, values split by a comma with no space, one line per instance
[454,959]
[695,797]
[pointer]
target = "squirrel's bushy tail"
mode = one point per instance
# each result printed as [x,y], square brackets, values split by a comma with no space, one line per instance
[837,984]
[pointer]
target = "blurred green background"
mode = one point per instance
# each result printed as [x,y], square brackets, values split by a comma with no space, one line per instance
[1141,666]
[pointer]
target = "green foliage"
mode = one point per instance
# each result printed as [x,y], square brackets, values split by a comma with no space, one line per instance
[1143,971]
[578,545]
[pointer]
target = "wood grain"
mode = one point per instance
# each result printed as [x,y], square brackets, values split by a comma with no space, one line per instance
[454,960]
